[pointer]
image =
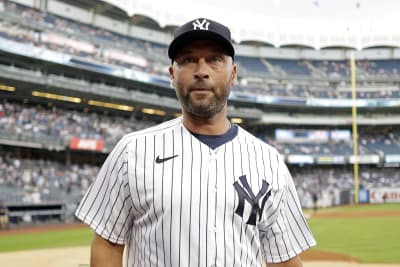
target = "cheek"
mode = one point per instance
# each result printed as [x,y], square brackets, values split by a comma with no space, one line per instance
[224,80]
[182,80]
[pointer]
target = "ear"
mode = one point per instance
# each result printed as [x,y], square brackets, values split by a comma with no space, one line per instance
[171,75]
[234,75]
[171,71]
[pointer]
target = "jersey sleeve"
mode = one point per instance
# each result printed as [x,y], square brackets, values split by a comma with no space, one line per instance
[106,206]
[289,234]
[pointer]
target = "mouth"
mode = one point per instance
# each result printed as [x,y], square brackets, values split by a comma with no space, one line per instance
[200,89]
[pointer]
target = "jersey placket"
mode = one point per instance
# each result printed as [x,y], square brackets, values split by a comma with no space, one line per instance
[212,198]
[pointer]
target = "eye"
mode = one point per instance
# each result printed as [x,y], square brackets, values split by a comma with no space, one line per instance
[216,59]
[188,60]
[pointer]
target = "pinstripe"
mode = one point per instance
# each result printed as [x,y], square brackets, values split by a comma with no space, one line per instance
[276,243]
[118,148]
[294,235]
[162,200]
[200,178]
[272,214]
[102,200]
[251,242]
[109,199]
[180,204]
[297,221]
[112,159]
[172,193]
[207,189]
[290,240]
[145,200]
[112,207]
[260,178]
[265,174]
[191,194]
[154,205]
[137,199]
[141,252]
[298,226]
[300,213]
[283,239]
[126,220]
[233,212]
[215,213]
[241,228]
[251,182]
[83,202]
[256,163]
[270,164]
[136,180]
[119,214]
[269,244]
[136,238]
[277,170]
[225,189]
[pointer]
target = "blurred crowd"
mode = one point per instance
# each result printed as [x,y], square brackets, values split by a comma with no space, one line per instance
[39,180]
[62,124]
[328,183]
[45,123]
[49,31]
[380,141]
[36,180]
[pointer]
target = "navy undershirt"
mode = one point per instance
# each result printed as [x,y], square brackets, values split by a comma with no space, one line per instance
[214,141]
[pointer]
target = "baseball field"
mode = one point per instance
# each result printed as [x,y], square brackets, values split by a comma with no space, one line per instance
[362,235]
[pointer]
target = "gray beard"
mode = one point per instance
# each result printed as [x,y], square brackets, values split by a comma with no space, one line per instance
[204,112]
[216,104]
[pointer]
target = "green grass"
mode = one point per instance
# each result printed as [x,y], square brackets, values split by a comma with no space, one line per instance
[368,239]
[51,239]
[362,207]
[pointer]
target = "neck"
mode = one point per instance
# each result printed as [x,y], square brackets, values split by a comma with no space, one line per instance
[217,125]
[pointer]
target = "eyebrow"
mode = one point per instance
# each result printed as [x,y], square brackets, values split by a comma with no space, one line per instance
[187,51]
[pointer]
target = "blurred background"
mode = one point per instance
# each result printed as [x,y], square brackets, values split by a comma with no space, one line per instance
[76,75]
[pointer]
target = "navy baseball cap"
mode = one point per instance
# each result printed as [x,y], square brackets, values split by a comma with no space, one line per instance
[201,28]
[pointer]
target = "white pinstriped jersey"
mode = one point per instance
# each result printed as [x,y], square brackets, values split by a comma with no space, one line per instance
[173,201]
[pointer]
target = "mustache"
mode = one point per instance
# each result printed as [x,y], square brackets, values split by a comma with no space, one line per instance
[201,84]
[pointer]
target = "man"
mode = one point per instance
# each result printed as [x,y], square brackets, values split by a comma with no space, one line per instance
[196,190]
[4,220]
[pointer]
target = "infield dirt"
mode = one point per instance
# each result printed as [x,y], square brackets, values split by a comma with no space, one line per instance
[79,256]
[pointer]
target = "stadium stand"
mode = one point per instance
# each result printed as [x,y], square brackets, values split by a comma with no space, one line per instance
[49,31]
[40,166]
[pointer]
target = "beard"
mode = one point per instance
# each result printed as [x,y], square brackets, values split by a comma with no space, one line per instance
[203,108]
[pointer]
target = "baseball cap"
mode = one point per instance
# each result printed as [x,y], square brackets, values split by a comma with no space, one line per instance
[201,28]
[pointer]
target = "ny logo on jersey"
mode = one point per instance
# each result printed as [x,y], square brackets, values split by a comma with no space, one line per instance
[203,25]
[245,193]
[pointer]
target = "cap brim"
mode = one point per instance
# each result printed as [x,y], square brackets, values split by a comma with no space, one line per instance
[184,38]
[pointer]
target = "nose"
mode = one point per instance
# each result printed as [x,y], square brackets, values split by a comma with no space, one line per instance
[201,71]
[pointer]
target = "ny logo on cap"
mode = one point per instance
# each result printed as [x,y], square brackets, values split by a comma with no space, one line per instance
[203,25]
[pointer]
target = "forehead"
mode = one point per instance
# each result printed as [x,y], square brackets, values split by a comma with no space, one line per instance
[201,46]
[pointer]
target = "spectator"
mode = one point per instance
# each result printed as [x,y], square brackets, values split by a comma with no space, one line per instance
[4,216]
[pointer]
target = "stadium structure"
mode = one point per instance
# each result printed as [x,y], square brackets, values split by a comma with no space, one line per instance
[76,75]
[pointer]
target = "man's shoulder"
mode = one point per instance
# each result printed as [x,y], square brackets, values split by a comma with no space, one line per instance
[138,136]
[158,129]
[257,141]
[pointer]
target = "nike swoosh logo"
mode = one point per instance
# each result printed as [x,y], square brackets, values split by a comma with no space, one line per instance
[158,160]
